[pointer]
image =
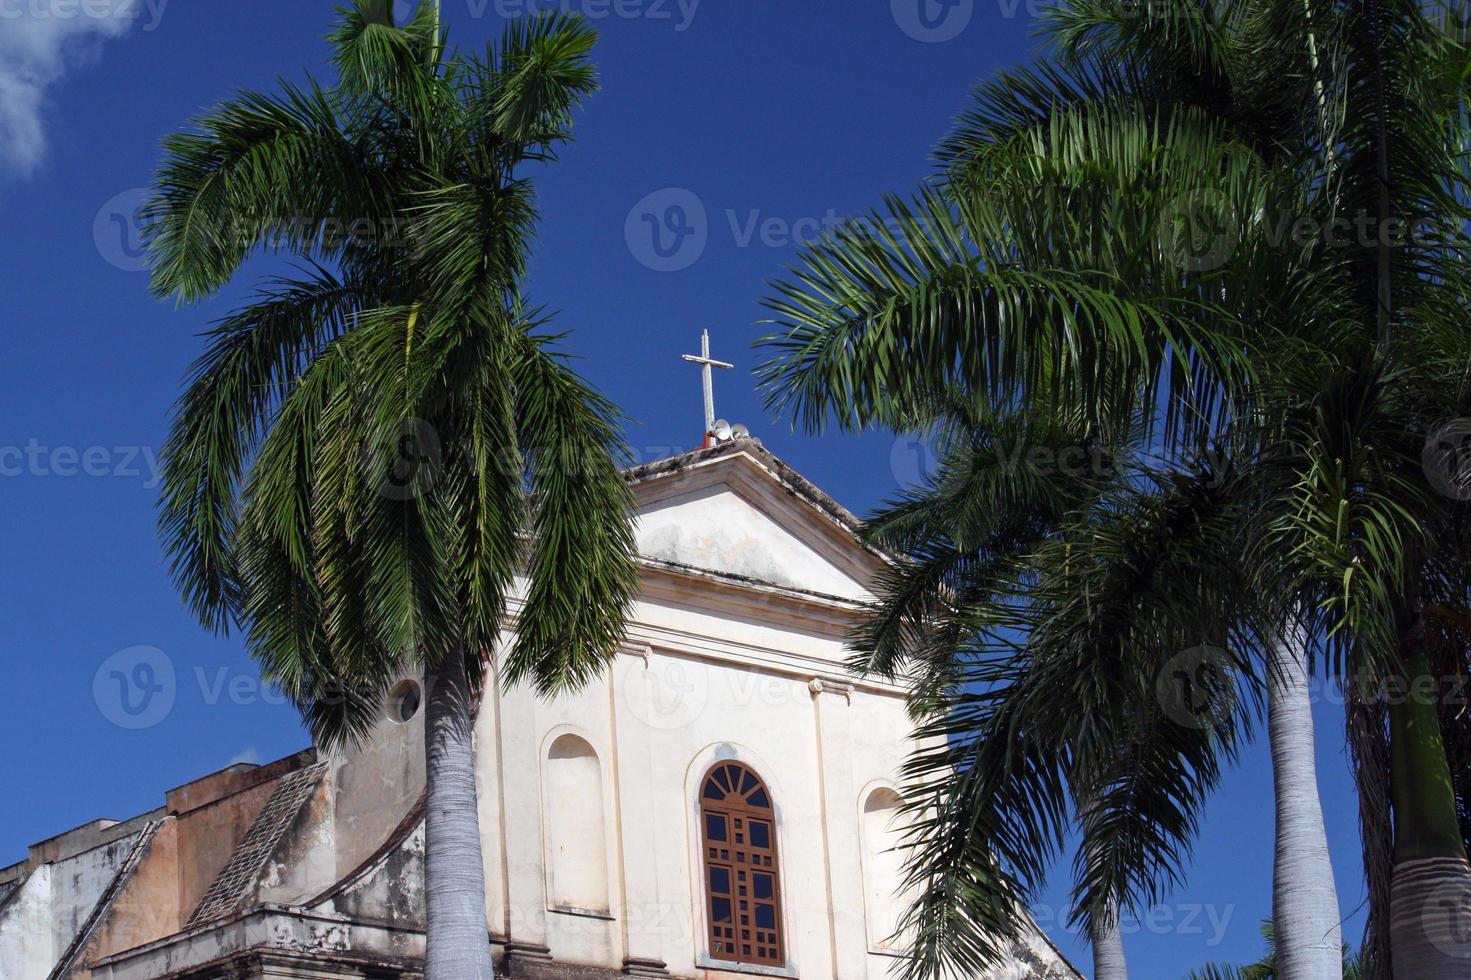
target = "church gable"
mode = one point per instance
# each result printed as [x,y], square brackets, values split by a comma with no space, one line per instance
[738,511]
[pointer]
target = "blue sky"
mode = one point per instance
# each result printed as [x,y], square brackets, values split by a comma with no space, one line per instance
[733,129]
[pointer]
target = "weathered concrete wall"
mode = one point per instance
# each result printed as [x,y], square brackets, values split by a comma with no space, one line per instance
[374,786]
[147,908]
[391,892]
[27,940]
[305,858]
[79,882]
[208,836]
[272,941]
[57,899]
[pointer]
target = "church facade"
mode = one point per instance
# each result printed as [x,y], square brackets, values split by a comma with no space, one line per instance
[722,803]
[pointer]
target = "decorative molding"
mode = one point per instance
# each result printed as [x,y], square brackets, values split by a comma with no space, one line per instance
[528,951]
[672,642]
[827,685]
[637,966]
[632,648]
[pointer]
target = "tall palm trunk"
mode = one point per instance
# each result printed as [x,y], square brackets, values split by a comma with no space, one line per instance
[1104,935]
[1430,898]
[454,875]
[1108,947]
[1305,913]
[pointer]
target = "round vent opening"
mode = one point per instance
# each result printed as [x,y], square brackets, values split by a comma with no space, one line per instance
[404,702]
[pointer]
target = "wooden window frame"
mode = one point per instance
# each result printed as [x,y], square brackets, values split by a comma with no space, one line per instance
[738,940]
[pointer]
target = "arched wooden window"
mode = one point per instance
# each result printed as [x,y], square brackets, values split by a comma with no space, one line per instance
[742,879]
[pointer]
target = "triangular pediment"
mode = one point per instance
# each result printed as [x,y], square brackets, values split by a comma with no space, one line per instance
[739,512]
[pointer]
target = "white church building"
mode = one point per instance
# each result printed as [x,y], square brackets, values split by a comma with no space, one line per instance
[720,804]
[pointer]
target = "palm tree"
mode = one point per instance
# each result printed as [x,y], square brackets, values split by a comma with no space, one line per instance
[380,461]
[1035,609]
[1304,896]
[1270,967]
[1046,268]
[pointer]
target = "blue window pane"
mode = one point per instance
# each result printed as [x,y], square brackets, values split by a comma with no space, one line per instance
[720,880]
[766,916]
[759,799]
[720,909]
[764,886]
[713,792]
[715,827]
[760,834]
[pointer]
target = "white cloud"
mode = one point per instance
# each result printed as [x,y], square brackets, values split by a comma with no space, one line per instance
[40,41]
[248,756]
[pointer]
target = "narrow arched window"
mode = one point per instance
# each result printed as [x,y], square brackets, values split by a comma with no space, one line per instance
[742,878]
[884,869]
[576,839]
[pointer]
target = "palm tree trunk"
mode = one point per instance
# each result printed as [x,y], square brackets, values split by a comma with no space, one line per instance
[458,939]
[1304,899]
[1108,947]
[1430,901]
